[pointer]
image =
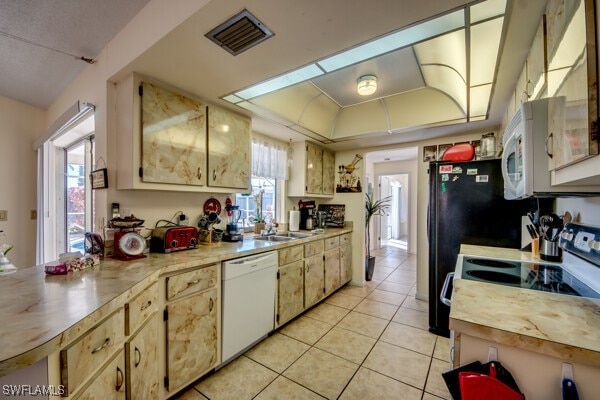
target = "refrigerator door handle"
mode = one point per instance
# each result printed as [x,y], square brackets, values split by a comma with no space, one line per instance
[446,300]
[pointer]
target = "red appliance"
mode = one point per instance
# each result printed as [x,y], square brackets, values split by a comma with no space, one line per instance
[129,245]
[173,238]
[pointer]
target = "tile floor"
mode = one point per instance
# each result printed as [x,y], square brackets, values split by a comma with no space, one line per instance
[361,343]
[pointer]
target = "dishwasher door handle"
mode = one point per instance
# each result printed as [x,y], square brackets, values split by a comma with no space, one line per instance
[252,260]
[443,298]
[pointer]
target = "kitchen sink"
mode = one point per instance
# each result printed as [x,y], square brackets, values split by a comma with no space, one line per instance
[295,235]
[274,238]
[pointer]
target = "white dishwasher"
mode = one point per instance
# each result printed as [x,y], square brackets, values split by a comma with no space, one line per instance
[248,301]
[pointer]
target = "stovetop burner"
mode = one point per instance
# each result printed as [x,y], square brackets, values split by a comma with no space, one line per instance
[484,262]
[542,277]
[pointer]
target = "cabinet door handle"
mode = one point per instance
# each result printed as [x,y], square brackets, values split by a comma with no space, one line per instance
[192,283]
[144,306]
[97,349]
[300,270]
[211,304]
[199,173]
[119,379]
[137,357]
[307,269]
[214,174]
[550,136]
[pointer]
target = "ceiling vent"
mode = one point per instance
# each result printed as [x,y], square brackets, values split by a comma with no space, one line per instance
[239,33]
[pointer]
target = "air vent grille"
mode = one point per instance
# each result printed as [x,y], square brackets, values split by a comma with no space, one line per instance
[239,33]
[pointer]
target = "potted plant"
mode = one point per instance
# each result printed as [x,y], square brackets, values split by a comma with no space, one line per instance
[372,208]
[258,219]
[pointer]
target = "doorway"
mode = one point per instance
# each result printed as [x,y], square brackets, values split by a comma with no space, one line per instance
[394,227]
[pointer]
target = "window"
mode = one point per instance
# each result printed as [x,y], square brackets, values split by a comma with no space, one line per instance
[79,199]
[65,198]
[269,170]
[248,203]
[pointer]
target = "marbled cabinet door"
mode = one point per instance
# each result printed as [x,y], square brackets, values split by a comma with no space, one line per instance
[228,149]
[191,337]
[290,293]
[332,270]
[314,280]
[173,137]
[328,172]
[314,169]
[142,362]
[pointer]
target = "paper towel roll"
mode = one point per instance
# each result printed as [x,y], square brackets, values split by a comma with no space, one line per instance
[294,220]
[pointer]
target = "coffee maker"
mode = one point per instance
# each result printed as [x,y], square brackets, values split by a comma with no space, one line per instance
[307,214]
[232,232]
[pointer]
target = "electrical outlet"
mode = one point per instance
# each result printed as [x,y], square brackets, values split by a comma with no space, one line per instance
[33,214]
[3,215]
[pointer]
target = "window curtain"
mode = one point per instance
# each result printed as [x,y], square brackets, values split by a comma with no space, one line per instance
[269,160]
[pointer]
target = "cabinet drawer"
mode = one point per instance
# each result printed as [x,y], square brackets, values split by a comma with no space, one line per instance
[190,282]
[346,238]
[291,254]
[312,248]
[332,242]
[82,358]
[140,308]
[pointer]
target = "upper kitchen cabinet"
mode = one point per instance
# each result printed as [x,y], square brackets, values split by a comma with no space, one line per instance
[167,139]
[173,137]
[573,79]
[314,171]
[229,149]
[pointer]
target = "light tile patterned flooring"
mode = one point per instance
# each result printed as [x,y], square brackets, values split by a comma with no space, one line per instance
[361,343]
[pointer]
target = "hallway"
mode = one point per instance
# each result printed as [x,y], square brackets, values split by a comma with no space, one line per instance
[360,343]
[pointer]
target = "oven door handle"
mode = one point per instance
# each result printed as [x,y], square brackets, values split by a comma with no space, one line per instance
[443,298]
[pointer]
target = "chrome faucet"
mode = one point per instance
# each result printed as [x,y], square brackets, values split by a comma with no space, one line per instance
[270,230]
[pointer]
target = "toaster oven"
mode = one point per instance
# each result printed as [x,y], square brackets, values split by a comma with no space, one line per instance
[167,239]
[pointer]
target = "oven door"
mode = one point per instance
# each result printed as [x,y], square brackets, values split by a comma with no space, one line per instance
[513,166]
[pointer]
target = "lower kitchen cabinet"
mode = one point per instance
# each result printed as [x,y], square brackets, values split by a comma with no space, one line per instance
[192,340]
[290,291]
[141,357]
[109,384]
[332,270]
[314,280]
[345,263]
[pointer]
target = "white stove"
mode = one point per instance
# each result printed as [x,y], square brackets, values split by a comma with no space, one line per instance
[577,275]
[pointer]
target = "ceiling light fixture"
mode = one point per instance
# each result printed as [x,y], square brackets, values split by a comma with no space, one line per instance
[367,85]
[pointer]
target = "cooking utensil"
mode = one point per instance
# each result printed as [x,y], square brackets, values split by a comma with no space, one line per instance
[567,218]
[569,390]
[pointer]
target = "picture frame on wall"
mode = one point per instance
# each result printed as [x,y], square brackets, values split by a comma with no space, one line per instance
[99,178]
[442,149]
[429,153]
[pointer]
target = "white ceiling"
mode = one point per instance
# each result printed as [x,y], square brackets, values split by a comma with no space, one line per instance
[34,74]
[305,31]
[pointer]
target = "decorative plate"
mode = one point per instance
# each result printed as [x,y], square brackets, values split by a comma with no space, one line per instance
[212,205]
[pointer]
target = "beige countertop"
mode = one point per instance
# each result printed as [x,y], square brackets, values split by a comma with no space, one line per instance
[41,313]
[565,327]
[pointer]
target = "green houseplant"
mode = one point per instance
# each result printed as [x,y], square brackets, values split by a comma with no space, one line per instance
[372,208]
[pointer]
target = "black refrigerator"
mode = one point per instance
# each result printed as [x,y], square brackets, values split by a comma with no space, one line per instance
[466,206]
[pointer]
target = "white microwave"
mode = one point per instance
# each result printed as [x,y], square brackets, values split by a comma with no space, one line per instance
[524,159]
